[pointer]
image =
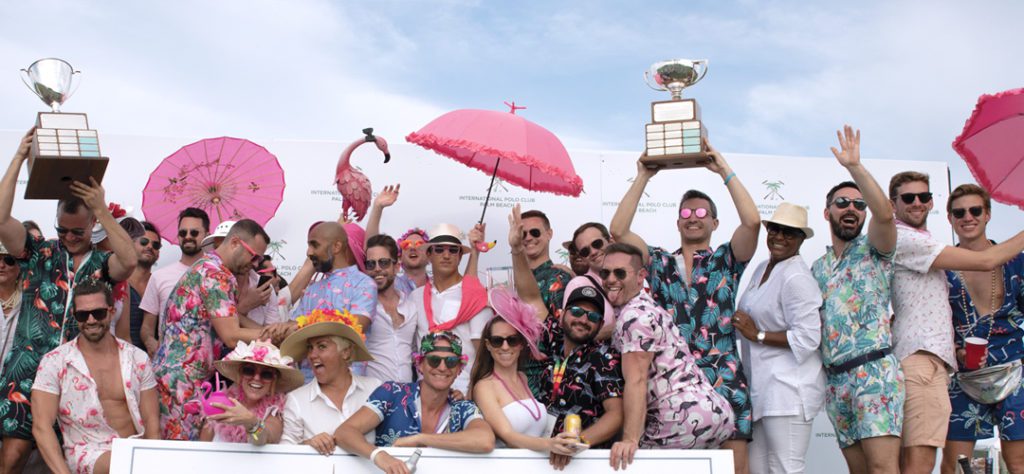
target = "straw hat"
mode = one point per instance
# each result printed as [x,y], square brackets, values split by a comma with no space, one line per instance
[321,322]
[219,233]
[447,234]
[791,215]
[265,354]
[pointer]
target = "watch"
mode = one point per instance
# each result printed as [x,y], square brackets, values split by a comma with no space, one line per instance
[760,337]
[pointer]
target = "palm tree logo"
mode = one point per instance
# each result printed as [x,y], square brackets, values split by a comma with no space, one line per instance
[773,188]
[274,249]
[563,255]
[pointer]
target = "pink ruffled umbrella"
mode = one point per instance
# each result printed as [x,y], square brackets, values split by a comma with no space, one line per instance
[229,178]
[503,145]
[992,145]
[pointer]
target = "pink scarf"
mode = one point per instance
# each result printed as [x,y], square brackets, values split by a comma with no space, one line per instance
[474,299]
[236,433]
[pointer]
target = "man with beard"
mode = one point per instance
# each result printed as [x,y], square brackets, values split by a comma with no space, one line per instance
[698,284]
[392,340]
[344,287]
[148,246]
[864,389]
[581,375]
[923,324]
[52,269]
[411,245]
[201,321]
[193,226]
[103,387]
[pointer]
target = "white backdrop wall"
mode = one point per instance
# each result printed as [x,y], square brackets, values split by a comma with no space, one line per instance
[436,189]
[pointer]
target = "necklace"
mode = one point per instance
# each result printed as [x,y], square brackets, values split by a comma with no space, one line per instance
[520,402]
[993,301]
[9,303]
[556,377]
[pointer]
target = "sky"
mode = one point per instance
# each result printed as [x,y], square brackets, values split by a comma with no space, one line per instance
[784,75]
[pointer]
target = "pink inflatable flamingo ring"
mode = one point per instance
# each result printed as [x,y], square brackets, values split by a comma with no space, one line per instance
[353,185]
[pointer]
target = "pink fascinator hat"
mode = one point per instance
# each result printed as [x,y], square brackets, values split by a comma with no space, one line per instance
[520,315]
[357,243]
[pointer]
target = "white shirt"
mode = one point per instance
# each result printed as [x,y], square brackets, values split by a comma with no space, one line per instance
[923,320]
[158,290]
[308,412]
[268,313]
[782,381]
[446,307]
[7,327]
[392,347]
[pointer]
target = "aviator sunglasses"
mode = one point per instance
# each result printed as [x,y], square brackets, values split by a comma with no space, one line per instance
[597,244]
[383,263]
[908,198]
[439,249]
[98,314]
[535,233]
[620,273]
[450,361]
[686,212]
[514,340]
[144,241]
[844,202]
[9,261]
[265,373]
[960,212]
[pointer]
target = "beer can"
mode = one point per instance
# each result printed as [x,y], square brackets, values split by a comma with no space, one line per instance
[573,424]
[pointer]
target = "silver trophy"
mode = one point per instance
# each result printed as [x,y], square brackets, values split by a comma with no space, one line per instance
[675,137]
[64,149]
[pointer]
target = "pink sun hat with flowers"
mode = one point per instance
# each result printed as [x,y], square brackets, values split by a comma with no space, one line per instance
[520,315]
[265,354]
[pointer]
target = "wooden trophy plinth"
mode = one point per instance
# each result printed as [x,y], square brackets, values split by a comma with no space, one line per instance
[676,137]
[63,150]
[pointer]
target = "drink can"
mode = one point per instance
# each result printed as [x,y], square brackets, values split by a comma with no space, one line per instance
[573,424]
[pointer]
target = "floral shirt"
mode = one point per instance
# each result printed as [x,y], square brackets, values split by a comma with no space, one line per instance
[593,374]
[855,287]
[683,409]
[703,312]
[551,281]
[64,372]
[47,278]
[188,347]
[344,288]
[398,407]
[1005,332]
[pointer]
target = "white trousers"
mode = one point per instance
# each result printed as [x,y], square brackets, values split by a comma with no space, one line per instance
[779,445]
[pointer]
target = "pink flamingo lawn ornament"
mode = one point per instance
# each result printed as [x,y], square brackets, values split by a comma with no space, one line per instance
[353,185]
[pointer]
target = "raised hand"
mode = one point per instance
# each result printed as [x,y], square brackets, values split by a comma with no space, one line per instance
[515,229]
[849,143]
[717,163]
[92,194]
[642,171]
[387,196]
[26,143]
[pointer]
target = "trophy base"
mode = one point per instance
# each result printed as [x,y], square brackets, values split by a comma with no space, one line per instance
[684,160]
[50,177]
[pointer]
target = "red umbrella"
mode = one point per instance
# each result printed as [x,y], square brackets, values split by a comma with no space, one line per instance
[992,145]
[503,145]
[229,178]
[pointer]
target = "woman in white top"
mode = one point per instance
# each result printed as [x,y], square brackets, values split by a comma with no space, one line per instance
[499,388]
[778,317]
[330,341]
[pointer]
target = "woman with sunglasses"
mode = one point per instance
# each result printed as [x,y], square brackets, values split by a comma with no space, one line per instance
[262,376]
[778,317]
[10,300]
[500,388]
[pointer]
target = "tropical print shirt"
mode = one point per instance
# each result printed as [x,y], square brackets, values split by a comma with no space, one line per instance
[47,278]
[1004,331]
[344,288]
[856,289]
[208,290]
[398,407]
[551,281]
[703,312]
[593,374]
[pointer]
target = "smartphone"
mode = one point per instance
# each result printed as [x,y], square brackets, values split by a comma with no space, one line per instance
[264,278]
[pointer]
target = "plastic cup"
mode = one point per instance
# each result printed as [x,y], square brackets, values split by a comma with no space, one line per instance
[977,352]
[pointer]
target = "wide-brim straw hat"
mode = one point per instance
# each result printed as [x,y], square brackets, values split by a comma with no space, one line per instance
[791,215]
[265,354]
[447,234]
[294,345]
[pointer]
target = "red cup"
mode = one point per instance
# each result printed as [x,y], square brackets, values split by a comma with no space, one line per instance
[977,351]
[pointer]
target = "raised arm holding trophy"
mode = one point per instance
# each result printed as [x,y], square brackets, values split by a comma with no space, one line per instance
[675,139]
[64,149]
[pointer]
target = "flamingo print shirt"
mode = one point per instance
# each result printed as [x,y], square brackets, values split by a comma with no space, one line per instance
[63,372]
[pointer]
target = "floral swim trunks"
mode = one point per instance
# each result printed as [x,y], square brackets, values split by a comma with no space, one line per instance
[867,401]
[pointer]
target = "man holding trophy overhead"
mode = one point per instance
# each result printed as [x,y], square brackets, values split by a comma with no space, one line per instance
[52,268]
[696,283]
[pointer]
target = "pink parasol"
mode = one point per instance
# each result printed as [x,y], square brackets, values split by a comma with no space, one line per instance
[992,145]
[503,145]
[229,178]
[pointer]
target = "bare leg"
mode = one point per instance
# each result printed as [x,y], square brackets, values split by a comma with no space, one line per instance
[918,459]
[1013,455]
[953,450]
[102,465]
[15,455]
[855,460]
[739,454]
[882,454]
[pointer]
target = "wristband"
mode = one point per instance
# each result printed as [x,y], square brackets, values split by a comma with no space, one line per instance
[374,453]
[727,178]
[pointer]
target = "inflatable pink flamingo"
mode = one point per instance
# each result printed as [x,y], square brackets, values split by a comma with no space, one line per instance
[352,184]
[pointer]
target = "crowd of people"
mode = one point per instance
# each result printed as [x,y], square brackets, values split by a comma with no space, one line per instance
[379,342]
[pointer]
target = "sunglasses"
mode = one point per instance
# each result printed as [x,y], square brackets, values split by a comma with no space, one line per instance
[98,314]
[406,244]
[450,361]
[192,232]
[256,259]
[908,198]
[535,233]
[844,202]
[9,261]
[958,212]
[383,263]
[686,212]
[513,340]
[592,316]
[61,231]
[620,273]
[596,245]
[788,232]
[265,373]
[439,249]
[144,241]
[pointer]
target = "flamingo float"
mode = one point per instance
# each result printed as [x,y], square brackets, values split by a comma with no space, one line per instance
[353,185]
